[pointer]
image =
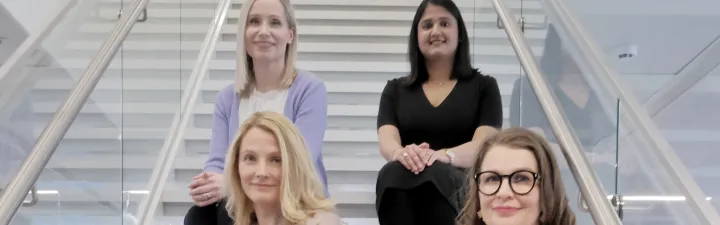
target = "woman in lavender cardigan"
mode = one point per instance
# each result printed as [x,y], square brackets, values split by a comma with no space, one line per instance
[266,80]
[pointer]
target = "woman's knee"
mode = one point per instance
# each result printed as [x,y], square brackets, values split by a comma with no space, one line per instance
[390,168]
[446,173]
[200,215]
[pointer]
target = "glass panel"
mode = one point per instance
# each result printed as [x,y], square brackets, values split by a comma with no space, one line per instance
[81,183]
[692,127]
[663,202]
[158,66]
[590,113]
[594,128]
[651,197]
[642,179]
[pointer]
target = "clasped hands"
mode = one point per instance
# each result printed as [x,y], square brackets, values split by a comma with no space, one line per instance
[207,188]
[416,157]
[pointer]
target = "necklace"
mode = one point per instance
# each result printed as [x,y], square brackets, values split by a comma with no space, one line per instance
[439,84]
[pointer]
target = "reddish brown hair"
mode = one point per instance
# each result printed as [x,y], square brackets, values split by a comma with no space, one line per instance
[554,209]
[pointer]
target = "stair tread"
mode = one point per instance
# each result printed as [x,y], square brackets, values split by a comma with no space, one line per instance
[300,14]
[351,163]
[379,31]
[211,85]
[530,4]
[305,47]
[80,133]
[174,192]
[309,65]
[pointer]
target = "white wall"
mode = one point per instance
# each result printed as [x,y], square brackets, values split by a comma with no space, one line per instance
[666,43]
[647,7]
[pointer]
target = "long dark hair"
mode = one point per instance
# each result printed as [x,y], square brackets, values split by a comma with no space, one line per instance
[462,64]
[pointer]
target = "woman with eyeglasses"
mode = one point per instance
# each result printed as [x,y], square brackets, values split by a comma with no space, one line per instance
[515,180]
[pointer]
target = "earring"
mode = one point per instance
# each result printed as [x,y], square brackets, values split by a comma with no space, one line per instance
[479,215]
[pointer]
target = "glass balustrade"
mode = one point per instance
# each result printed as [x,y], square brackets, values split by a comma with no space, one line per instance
[653,180]
[594,127]
[99,172]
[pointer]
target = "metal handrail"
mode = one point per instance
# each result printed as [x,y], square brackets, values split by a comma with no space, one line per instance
[12,197]
[166,158]
[601,210]
[659,150]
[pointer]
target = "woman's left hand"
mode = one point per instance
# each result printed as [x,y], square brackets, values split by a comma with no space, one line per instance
[207,188]
[439,155]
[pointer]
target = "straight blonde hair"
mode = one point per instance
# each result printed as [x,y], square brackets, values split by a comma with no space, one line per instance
[244,74]
[301,192]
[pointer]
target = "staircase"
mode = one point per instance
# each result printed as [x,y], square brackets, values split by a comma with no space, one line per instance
[103,164]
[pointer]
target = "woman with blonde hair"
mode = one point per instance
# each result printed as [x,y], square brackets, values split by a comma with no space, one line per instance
[534,193]
[271,177]
[266,80]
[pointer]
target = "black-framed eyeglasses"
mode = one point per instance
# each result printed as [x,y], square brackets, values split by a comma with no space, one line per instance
[521,182]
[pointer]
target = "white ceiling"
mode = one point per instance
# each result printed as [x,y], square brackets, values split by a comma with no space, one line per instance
[668,33]
[657,7]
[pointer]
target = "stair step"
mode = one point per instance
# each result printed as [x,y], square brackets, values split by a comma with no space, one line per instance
[305,47]
[325,15]
[196,134]
[74,191]
[337,31]
[320,66]
[412,4]
[351,163]
[205,108]
[210,85]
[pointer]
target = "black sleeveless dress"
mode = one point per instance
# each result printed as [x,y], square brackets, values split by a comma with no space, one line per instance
[472,103]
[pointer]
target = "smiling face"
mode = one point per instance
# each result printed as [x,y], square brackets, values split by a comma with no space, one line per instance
[260,166]
[268,32]
[437,33]
[506,207]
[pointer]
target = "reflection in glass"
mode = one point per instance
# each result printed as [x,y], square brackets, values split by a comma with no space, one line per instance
[593,127]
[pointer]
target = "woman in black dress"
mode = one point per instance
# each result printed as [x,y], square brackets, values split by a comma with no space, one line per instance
[431,122]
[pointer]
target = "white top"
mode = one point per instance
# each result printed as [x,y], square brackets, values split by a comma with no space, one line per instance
[273,101]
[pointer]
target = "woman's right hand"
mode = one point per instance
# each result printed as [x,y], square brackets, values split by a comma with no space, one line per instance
[412,157]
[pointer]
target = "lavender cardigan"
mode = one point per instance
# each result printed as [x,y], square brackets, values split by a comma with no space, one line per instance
[306,106]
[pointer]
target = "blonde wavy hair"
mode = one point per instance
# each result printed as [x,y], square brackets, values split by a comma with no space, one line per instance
[301,192]
[244,74]
[554,209]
